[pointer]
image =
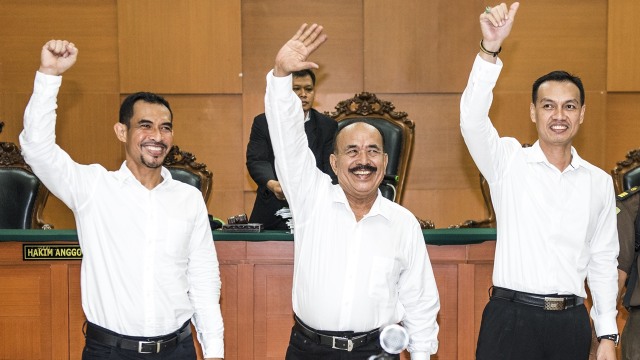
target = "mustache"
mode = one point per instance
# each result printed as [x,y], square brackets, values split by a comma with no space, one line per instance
[154,143]
[364,167]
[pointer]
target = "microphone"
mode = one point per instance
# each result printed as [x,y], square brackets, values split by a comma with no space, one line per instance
[393,339]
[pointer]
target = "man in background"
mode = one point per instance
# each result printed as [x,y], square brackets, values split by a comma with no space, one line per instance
[149,264]
[628,204]
[320,130]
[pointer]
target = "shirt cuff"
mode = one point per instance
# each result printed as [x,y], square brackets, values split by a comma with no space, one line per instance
[418,355]
[605,324]
[486,72]
[214,349]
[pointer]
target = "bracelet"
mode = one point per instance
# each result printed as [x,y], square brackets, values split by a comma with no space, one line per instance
[492,53]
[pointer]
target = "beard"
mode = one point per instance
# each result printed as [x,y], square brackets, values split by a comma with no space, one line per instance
[156,163]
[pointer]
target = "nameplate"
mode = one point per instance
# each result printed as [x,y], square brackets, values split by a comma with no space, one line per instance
[51,252]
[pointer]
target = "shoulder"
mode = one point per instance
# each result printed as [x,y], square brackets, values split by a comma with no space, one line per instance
[260,118]
[323,119]
[634,192]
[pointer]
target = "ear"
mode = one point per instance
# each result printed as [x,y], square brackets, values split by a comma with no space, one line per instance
[386,161]
[121,131]
[332,160]
[582,113]
[532,112]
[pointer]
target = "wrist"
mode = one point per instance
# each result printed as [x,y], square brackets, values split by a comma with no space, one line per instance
[613,338]
[489,49]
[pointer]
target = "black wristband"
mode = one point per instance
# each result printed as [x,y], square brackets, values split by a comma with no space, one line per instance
[492,53]
[613,337]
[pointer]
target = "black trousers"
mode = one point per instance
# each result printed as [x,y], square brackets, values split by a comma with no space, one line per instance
[513,331]
[184,350]
[302,348]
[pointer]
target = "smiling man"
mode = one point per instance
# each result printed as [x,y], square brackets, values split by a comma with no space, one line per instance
[555,216]
[149,264]
[360,260]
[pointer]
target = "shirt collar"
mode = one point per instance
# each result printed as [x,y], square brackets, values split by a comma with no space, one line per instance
[535,154]
[381,206]
[125,174]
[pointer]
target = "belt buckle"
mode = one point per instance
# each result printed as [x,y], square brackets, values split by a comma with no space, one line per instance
[554,304]
[338,347]
[142,343]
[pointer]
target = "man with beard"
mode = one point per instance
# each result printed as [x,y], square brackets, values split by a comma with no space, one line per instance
[360,260]
[320,130]
[555,215]
[149,264]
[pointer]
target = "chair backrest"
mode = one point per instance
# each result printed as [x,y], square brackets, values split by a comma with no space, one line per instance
[22,195]
[626,174]
[398,132]
[183,167]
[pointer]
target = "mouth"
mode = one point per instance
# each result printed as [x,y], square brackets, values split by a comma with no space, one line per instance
[363,171]
[559,127]
[154,149]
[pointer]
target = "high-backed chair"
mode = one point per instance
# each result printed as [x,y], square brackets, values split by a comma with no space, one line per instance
[398,132]
[626,174]
[183,167]
[489,222]
[22,195]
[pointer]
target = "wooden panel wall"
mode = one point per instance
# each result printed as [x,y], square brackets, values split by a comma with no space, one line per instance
[210,58]
[623,79]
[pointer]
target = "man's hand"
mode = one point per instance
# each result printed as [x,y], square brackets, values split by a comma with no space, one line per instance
[276,189]
[293,55]
[496,23]
[57,57]
[606,350]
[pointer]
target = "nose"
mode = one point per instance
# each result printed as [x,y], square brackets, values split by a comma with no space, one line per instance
[155,134]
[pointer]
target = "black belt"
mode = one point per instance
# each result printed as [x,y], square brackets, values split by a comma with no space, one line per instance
[341,343]
[149,345]
[547,302]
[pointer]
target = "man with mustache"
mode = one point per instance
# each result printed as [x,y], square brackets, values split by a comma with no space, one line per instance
[320,130]
[149,264]
[360,260]
[555,214]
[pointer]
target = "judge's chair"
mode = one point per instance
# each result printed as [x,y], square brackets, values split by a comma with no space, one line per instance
[183,167]
[398,132]
[22,195]
[489,222]
[626,174]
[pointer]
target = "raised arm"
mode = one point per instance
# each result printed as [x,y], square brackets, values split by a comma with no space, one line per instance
[57,57]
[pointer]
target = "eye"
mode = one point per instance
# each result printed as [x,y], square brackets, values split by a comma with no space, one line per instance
[166,128]
[374,152]
[547,106]
[352,152]
[571,107]
[145,126]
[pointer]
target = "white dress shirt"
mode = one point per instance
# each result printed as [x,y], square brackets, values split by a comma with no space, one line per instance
[349,275]
[555,228]
[149,261]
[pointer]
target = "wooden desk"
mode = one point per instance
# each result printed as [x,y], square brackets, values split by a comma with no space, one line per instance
[41,315]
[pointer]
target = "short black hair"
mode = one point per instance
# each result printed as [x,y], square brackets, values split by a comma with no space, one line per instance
[305,72]
[340,128]
[560,76]
[126,109]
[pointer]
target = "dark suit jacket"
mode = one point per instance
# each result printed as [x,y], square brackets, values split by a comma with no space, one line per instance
[320,130]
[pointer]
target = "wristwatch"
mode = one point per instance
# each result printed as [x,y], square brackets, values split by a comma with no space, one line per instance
[613,337]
